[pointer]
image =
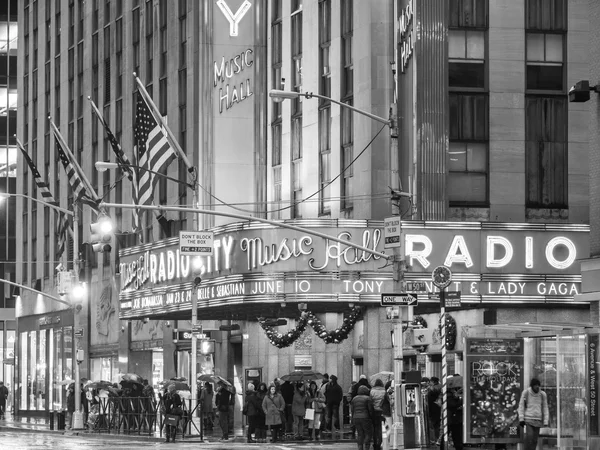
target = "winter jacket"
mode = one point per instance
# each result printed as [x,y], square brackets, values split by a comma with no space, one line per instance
[362,404]
[223,399]
[299,403]
[377,395]
[455,409]
[287,392]
[71,401]
[252,404]
[361,382]
[206,400]
[334,394]
[534,407]
[273,406]
[317,401]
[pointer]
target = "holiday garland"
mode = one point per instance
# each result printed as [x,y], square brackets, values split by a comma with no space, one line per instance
[450,331]
[281,340]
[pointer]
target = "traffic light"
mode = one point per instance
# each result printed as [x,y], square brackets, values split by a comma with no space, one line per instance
[101,234]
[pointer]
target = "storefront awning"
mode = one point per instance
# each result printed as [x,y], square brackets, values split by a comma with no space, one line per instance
[527,329]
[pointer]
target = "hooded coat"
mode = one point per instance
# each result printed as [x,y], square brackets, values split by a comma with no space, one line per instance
[362,404]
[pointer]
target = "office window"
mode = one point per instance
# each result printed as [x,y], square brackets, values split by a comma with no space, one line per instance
[546,14]
[324,48]
[347,78]
[296,53]
[546,159]
[277,193]
[466,53]
[468,154]
[468,13]
[545,57]
[347,156]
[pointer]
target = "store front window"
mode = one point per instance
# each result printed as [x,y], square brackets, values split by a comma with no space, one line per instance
[104,368]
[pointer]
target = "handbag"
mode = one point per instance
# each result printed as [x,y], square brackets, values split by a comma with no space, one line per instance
[309,414]
[171,420]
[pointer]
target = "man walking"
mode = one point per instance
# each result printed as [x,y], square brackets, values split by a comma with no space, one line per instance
[222,399]
[333,398]
[533,413]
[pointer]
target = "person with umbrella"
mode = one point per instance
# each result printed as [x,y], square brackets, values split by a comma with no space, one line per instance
[274,407]
[378,395]
[300,402]
[223,399]
[173,406]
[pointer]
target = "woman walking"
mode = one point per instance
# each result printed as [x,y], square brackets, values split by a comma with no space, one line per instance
[362,411]
[317,400]
[300,402]
[261,427]
[274,406]
[252,407]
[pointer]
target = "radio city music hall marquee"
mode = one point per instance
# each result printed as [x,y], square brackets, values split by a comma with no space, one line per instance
[494,260]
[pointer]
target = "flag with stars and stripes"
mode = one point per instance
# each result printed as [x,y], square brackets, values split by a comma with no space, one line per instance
[79,189]
[63,225]
[153,151]
[124,164]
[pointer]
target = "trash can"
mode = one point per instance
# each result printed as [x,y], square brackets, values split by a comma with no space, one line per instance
[60,420]
[51,419]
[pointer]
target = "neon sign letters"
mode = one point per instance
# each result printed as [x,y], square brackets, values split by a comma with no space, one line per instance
[233,19]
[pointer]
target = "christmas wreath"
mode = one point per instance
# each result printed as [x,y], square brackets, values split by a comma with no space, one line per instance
[450,331]
[281,340]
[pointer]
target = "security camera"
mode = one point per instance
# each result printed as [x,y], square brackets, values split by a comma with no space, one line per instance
[146,320]
[396,194]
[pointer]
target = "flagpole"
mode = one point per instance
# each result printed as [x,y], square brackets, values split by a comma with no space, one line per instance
[64,145]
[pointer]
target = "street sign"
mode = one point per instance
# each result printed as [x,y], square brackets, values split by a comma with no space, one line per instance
[78,332]
[392,228]
[416,286]
[402,298]
[451,298]
[196,243]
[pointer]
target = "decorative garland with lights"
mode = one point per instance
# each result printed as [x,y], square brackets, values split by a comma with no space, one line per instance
[450,331]
[419,321]
[281,340]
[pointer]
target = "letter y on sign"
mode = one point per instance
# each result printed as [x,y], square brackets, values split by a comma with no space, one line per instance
[234,19]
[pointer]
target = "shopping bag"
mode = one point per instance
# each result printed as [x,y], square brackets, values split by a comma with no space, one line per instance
[309,414]
[171,420]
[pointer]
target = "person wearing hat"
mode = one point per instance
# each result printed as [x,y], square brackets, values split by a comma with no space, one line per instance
[252,407]
[333,397]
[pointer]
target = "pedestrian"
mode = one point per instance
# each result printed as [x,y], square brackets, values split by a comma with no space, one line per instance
[206,406]
[323,390]
[70,405]
[455,416]
[349,397]
[300,402]
[231,404]
[333,397]
[317,401]
[287,392]
[274,407]
[379,397]
[252,407]
[173,407]
[362,411]
[434,404]
[533,413]
[223,400]
[261,427]
[362,381]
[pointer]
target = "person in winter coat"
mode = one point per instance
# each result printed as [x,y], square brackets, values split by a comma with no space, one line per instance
[274,406]
[173,406]
[434,396]
[362,381]
[362,411]
[252,407]
[323,390]
[206,406]
[455,416]
[70,405]
[287,391]
[223,399]
[261,427]
[300,401]
[533,413]
[333,397]
[378,395]
[317,401]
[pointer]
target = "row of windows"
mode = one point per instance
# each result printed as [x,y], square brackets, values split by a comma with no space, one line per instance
[545,104]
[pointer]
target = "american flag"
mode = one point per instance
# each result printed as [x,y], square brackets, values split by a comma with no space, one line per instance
[79,191]
[63,225]
[124,164]
[153,150]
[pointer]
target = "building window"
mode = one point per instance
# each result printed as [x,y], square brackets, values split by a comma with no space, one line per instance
[324,160]
[468,166]
[324,47]
[276,154]
[546,151]
[468,155]
[296,157]
[277,193]
[347,156]
[347,91]
[296,43]
[546,108]
[346,56]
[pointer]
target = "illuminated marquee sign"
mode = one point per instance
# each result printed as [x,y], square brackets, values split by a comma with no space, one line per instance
[490,261]
[233,19]
[405,27]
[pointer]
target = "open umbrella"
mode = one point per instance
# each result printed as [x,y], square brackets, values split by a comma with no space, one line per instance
[65,382]
[179,385]
[132,377]
[455,382]
[99,385]
[383,376]
[212,378]
[302,375]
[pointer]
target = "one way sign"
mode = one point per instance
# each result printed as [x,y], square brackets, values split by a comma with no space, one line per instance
[403,299]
